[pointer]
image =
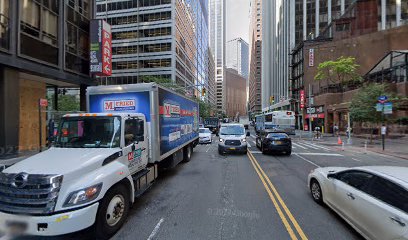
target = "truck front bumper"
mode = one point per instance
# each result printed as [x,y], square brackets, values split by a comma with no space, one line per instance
[53,225]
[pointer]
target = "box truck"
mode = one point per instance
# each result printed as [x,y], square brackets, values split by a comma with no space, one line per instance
[100,162]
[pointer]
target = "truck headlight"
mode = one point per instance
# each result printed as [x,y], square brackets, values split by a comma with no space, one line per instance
[83,196]
[221,140]
[243,140]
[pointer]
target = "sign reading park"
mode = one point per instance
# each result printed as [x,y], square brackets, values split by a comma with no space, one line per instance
[101,48]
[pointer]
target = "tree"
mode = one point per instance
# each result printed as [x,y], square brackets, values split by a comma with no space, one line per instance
[66,103]
[165,82]
[343,71]
[363,104]
[206,109]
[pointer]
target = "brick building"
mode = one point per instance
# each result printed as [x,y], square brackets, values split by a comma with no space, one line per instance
[235,93]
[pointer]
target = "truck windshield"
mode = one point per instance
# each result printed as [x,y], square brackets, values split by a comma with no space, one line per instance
[232,130]
[89,132]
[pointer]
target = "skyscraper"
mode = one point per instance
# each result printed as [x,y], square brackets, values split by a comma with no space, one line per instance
[164,38]
[237,56]
[278,31]
[255,62]
[217,44]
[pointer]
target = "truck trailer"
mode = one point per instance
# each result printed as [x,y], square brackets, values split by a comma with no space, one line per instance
[100,162]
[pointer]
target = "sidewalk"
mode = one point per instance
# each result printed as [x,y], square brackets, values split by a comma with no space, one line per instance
[393,147]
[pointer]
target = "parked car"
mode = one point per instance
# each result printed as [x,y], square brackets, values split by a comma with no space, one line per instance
[269,140]
[373,200]
[204,135]
[232,139]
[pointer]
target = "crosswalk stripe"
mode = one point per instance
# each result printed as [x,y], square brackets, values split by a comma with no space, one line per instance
[299,145]
[325,148]
[305,144]
[321,154]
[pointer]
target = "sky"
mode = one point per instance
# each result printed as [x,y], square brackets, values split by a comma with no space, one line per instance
[238,19]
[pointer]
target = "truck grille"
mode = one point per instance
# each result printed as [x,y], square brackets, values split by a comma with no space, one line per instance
[22,193]
[233,142]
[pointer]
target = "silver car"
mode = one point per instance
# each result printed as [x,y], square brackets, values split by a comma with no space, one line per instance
[373,200]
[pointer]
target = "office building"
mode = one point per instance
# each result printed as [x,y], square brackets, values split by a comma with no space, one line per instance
[217,43]
[278,30]
[43,45]
[255,63]
[162,38]
[235,93]
[372,32]
[238,56]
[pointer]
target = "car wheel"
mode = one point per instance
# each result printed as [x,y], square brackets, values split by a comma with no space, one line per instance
[288,153]
[220,151]
[316,191]
[263,149]
[187,153]
[112,212]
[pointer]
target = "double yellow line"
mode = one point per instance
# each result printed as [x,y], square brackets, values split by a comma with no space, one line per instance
[276,200]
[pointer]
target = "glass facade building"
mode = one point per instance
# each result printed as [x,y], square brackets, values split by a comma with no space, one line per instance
[44,46]
[217,16]
[238,56]
[161,38]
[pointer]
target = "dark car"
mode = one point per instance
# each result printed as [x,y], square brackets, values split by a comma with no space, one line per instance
[272,141]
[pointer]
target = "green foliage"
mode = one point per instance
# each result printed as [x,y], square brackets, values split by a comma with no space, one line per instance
[66,103]
[362,107]
[206,109]
[343,70]
[165,82]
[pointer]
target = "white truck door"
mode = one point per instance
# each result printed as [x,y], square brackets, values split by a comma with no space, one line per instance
[135,149]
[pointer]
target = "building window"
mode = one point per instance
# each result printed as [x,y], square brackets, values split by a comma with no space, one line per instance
[39,29]
[4,24]
[78,14]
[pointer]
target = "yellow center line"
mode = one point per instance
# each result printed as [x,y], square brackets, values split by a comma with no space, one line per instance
[285,208]
[275,203]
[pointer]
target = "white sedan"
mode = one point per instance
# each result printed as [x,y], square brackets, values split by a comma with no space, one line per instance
[204,135]
[373,200]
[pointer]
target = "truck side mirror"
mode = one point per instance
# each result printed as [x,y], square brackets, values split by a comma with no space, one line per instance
[139,130]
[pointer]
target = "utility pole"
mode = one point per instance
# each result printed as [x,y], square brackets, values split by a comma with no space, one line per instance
[310,111]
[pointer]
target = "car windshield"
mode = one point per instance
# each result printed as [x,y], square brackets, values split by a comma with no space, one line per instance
[232,130]
[277,135]
[89,132]
[203,130]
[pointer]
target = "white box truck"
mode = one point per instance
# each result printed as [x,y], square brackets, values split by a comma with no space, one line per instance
[100,162]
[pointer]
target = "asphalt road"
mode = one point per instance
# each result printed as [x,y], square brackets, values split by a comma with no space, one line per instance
[252,196]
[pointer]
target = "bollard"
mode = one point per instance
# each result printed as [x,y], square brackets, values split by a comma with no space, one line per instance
[342,146]
[365,147]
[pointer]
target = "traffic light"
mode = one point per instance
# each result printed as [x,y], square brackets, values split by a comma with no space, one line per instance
[203,91]
[271,99]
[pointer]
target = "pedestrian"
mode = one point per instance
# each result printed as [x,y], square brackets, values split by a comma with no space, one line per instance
[335,130]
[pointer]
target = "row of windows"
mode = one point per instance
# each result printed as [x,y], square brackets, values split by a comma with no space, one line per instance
[113,6]
[127,79]
[160,47]
[151,17]
[152,63]
[156,32]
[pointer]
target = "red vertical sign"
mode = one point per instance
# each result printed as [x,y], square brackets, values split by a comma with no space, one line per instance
[311,57]
[302,99]
[106,49]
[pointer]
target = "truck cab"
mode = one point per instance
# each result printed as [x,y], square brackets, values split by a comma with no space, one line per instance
[68,187]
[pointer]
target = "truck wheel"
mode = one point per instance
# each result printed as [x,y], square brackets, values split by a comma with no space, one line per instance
[187,153]
[112,212]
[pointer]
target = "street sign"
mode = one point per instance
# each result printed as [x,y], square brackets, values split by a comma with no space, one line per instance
[382,99]
[43,102]
[379,107]
[388,108]
[383,130]
[302,99]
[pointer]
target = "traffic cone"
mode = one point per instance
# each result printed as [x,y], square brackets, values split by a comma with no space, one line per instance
[339,141]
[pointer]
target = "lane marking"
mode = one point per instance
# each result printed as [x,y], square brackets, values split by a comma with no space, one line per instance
[249,145]
[254,137]
[298,145]
[285,208]
[355,159]
[275,203]
[253,143]
[209,147]
[306,159]
[257,152]
[321,154]
[156,229]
